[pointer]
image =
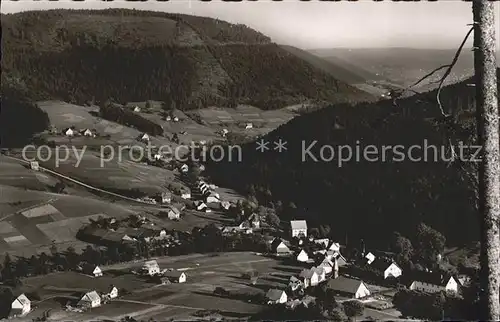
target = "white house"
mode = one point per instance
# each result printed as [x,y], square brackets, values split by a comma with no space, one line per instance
[225,204]
[90,300]
[224,132]
[151,267]
[93,270]
[186,195]
[168,118]
[432,283]
[87,132]
[173,213]
[212,199]
[145,138]
[113,292]
[320,272]
[201,206]
[176,119]
[370,258]
[34,165]
[20,306]
[248,126]
[279,247]
[184,168]
[69,132]
[299,228]
[137,109]
[302,256]
[275,296]
[389,269]
[176,276]
[166,197]
[349,287]
[334,247]
[309,277]
[327,265]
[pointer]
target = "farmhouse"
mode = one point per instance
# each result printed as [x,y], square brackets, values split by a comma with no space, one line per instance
[151,267]
[20,306]
[212,198]
[320,272]
[388,268]
[166,197]
[370,258]
[433,283]
[309,277]
[144,137]
[275,296]
[92,269]
[248,126]
[201,206]
[168,118]
[186,195]
[176,276]
[184,168]
[279,247]
[225,204]
[173,213]
[113,292]
[90,300]
[176,119]
[254,221]
[298,228]
[69,132]
[348,287]
[327,265]
[34,165]
[87,132]
[302,256]
[137,109]
[224,132]
[334,247]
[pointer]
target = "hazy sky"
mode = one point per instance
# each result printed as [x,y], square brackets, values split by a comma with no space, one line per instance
[316,24]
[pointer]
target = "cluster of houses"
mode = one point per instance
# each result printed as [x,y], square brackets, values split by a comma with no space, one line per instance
[151,269]
[324,259]
[72,131]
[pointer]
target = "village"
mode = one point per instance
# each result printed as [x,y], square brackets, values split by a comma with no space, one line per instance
[362,279]
[314,267]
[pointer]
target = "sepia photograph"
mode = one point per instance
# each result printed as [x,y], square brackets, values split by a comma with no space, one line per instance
[266,160]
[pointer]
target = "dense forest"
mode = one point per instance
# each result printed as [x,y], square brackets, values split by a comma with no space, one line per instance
[363,198]
[128,55]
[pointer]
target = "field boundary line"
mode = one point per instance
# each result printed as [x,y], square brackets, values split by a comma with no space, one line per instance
[60,175]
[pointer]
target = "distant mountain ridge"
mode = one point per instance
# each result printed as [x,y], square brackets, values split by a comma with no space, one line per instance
[130,55]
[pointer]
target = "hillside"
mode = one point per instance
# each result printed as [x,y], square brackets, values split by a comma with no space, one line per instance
[358,198]
[129,55]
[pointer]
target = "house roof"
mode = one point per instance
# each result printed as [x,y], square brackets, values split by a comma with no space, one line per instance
[294,279]
[92,296]
[344,284]
[382,264]
[323,242]
[274,294]
[175,210]
[23,300]
[298,224]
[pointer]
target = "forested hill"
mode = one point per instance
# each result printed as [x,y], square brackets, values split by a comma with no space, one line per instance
[130,55]
[363,199]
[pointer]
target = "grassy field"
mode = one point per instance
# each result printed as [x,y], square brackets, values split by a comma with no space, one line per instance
[42,218]
[166,301]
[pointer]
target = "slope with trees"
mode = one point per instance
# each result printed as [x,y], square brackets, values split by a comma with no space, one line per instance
[130,55]
[358,199]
